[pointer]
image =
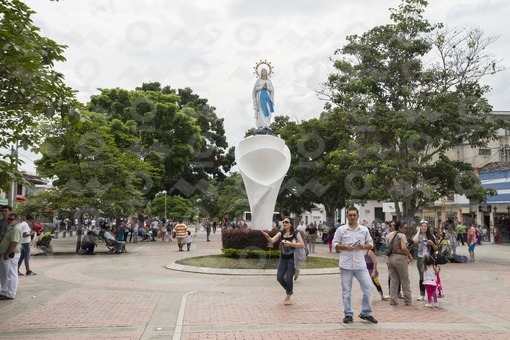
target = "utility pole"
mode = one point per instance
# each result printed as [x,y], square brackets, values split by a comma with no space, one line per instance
[11,197]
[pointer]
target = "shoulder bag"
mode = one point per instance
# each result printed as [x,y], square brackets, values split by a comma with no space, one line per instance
[389,250]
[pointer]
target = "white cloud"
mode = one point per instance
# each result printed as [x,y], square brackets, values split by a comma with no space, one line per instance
[211,46]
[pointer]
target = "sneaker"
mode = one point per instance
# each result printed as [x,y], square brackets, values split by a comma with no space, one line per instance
[30,273]
[348,319]
[436,305]
[296,274]
[384,298]
[3,297]
[20,274]
[421,298]
[370,318]
[394,303]
[430,305]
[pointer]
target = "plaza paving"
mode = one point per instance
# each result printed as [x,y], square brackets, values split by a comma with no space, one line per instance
[139,296]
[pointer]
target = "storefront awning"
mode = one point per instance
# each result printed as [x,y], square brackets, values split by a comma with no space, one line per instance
[498,180]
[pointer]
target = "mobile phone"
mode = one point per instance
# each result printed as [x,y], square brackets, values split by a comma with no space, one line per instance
[355,244]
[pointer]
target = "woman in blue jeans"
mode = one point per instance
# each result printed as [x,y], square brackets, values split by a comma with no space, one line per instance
[290,241]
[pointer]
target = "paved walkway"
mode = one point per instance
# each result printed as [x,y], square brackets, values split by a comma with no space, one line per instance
[137,296]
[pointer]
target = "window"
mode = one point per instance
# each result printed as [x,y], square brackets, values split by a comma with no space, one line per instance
[484,152]
[19,190]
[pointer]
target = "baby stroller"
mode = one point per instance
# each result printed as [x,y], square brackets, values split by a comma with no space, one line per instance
[43,242]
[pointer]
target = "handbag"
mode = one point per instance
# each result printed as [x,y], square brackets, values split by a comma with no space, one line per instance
[439,287]
[439,258]
[389,250]
[301,254]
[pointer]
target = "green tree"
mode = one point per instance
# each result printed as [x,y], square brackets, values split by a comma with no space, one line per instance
[176,207]
[39,205]
[31,90]
[231,197]
[92,169]
[319,170]
[180,133]
[404,111]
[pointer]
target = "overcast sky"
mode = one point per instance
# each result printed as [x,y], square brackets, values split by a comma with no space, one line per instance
[212,46]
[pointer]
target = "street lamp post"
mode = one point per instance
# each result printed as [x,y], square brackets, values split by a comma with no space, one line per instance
[164,192]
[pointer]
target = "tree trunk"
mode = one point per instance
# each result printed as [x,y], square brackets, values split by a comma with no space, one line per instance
[79,231]
[330,214]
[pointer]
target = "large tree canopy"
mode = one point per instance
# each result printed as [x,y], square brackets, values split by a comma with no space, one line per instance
[30,89]
[410,91]
[180,134]
[92,168]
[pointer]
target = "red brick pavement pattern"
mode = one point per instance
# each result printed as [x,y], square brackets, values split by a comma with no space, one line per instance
[78,334]
[89,308]
[224,309]
[346,334]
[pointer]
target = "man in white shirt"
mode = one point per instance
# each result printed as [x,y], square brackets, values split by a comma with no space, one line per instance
[25,244]
[352,240]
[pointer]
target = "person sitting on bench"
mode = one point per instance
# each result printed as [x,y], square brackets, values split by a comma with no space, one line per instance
[120,245]
[88,243]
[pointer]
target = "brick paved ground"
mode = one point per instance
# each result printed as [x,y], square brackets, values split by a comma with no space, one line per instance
[134,296]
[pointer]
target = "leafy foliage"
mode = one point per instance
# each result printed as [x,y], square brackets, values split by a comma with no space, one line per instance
[403,113]
[250,253]
[31,90]
[176,207]
[318,173]
[91,168]
[180,134]
[246,239]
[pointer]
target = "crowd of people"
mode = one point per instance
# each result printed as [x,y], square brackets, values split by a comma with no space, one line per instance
[134,231]
[355,242]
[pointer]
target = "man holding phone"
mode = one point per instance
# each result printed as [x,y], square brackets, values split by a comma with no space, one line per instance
[352,239]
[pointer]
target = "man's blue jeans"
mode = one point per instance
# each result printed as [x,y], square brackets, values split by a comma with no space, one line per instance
[286,280]
[365,283]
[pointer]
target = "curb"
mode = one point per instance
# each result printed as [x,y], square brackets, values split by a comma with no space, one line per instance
[247,272]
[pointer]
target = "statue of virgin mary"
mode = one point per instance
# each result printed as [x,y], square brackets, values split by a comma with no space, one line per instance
[263,96]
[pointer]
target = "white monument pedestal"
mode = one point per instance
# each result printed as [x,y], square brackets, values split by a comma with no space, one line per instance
[263,161]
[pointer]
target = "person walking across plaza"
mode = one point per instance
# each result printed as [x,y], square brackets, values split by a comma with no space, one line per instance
[10,248]
[290,240]
[471,241]
[312,236]
[25,244]
[351,240]
[180,230]
[189,239]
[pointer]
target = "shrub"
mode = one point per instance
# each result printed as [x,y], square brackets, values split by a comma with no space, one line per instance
[246,238]
[250,253]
